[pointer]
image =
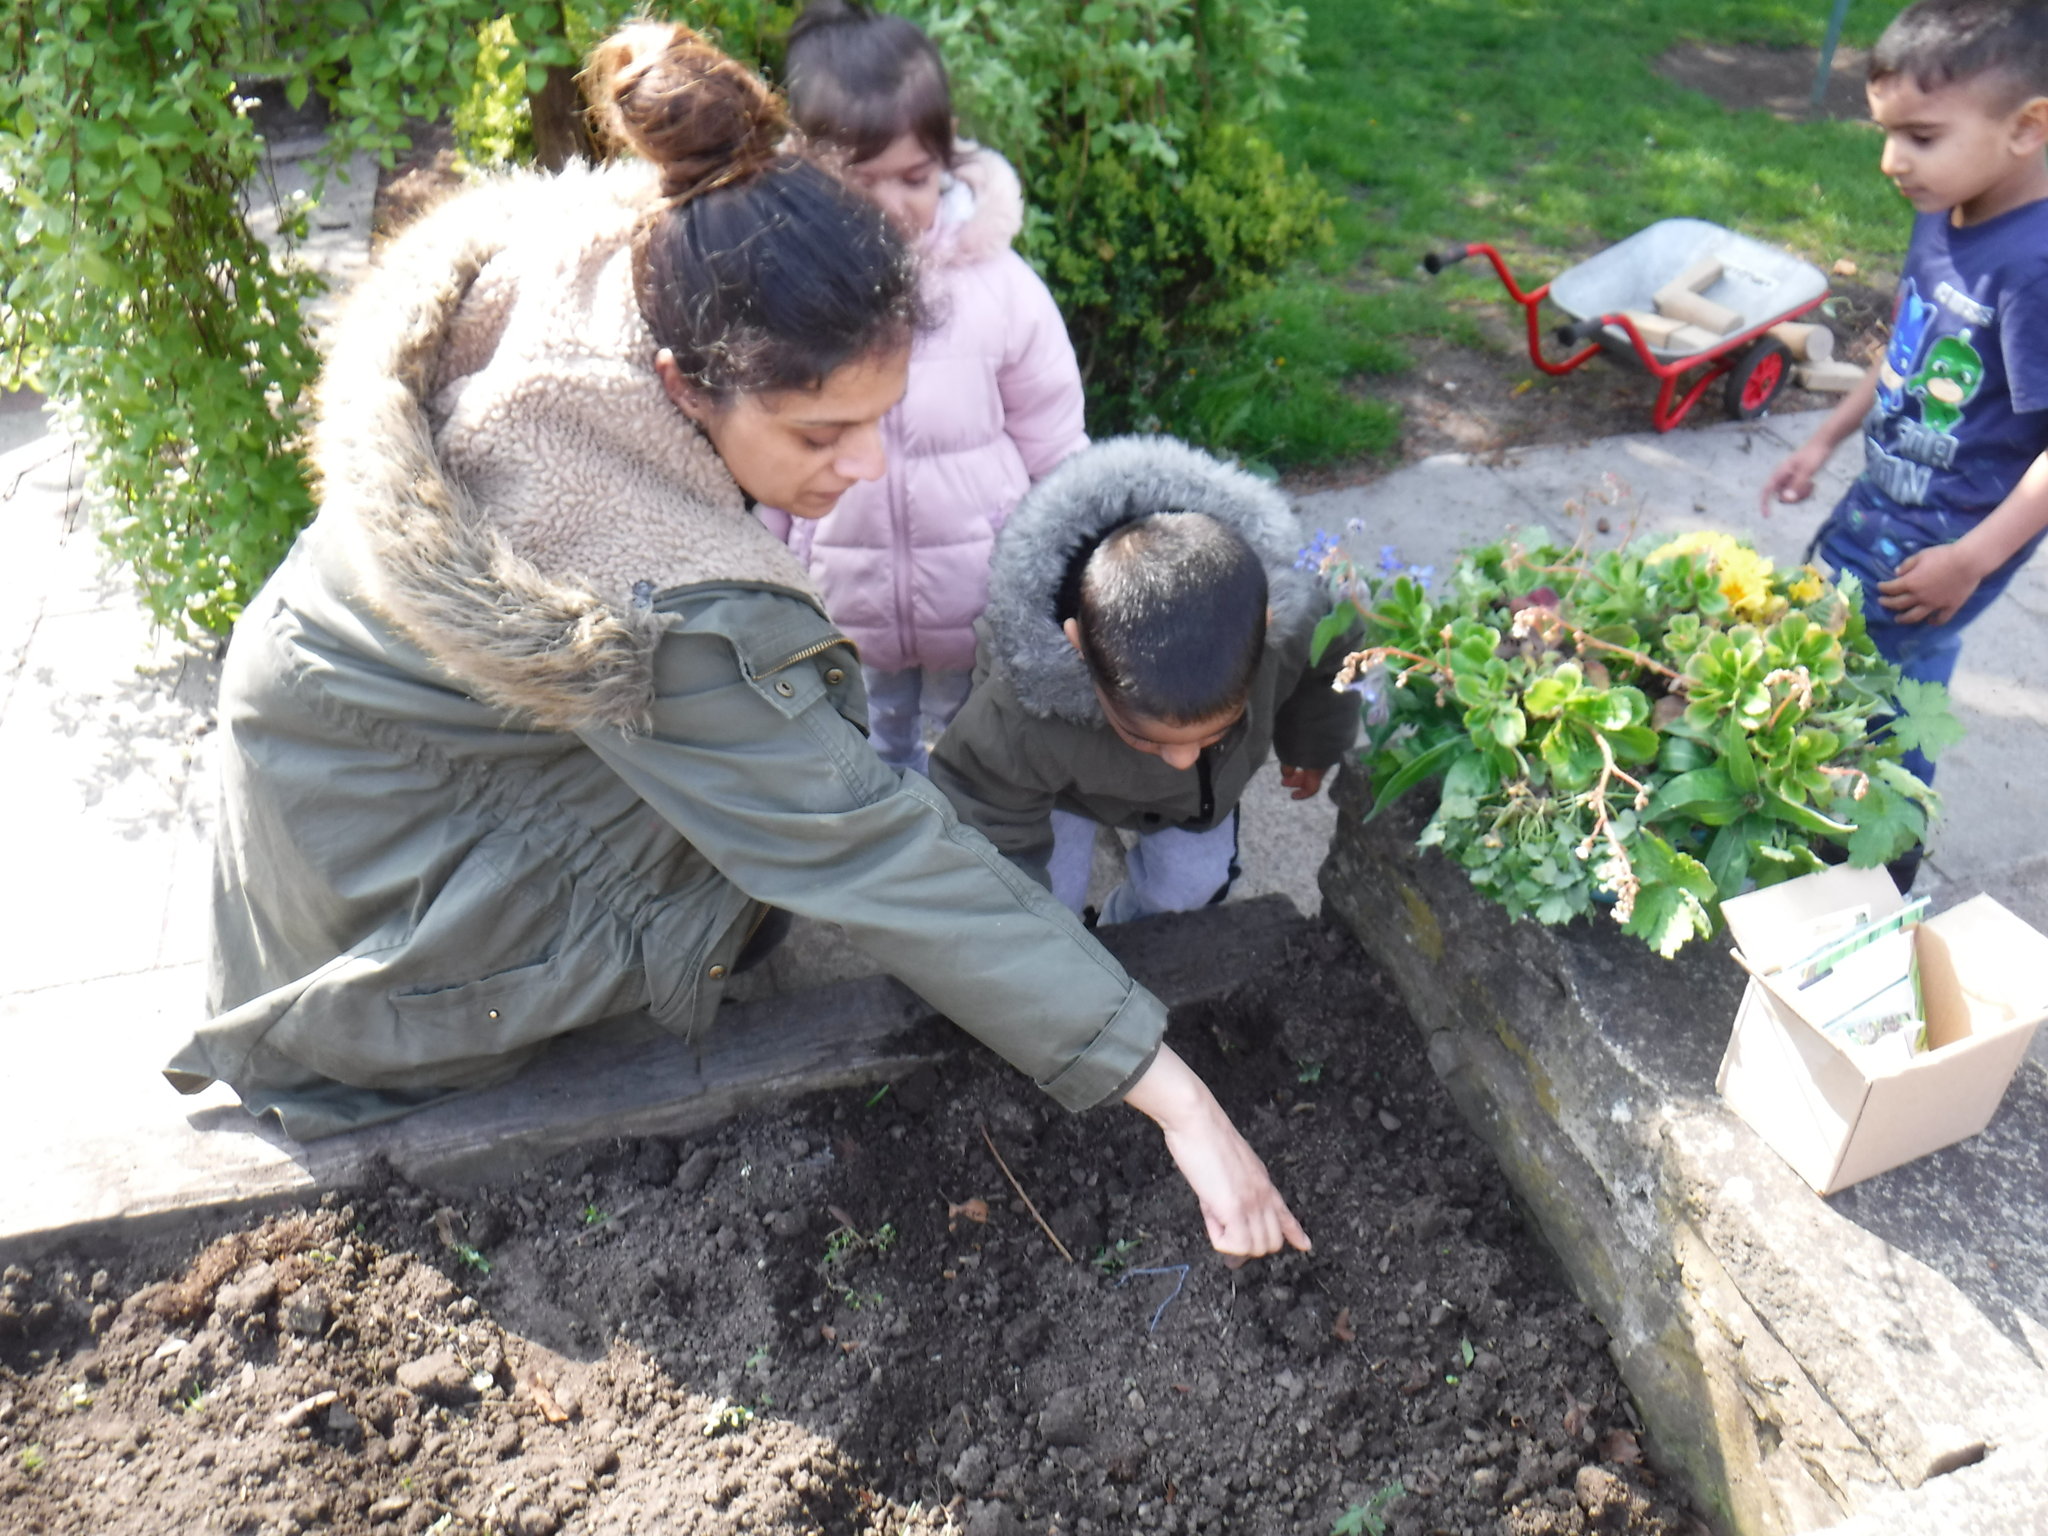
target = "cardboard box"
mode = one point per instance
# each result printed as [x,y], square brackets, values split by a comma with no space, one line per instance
[1984,975]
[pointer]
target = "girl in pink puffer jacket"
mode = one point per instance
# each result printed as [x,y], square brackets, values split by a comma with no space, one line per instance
[994,399]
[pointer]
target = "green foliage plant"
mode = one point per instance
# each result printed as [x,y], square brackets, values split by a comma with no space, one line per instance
[133,291]
[1370,1518]
[131,287]
[1646,729]
[136,295]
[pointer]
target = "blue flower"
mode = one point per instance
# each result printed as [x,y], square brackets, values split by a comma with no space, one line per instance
[1313,555]
[1423,574]
[1390,559]
[1355,525]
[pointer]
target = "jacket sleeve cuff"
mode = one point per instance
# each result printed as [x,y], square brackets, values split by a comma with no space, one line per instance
[1115,1058]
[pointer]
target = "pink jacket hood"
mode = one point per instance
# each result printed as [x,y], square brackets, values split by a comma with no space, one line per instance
[994,402]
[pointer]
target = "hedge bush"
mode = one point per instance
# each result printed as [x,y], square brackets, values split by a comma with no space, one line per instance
[135,294]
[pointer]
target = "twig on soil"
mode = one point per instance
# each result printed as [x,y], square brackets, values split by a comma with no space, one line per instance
[1048,1231]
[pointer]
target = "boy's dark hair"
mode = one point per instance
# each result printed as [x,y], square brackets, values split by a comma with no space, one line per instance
[1940,42]
[860,78]
[761,271]
[1172,617]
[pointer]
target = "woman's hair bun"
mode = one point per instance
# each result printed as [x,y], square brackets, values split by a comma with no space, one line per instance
[668,95]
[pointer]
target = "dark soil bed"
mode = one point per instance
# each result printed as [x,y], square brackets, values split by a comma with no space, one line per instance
[843,1319]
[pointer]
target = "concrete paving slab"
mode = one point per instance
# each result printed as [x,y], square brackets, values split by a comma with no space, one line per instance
[24,417]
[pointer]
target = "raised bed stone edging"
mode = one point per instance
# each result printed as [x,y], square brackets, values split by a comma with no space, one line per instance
[1800,1370]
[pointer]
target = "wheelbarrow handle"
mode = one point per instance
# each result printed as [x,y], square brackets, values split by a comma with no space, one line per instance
[1579,331]
[1436,261]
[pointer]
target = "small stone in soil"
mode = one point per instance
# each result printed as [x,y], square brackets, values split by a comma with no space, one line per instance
[306,1313]
[1064,1419]
[971,1472]
[438,1376]
[697,1170]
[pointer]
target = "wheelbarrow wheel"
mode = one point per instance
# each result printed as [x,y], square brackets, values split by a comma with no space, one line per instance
[1756,379]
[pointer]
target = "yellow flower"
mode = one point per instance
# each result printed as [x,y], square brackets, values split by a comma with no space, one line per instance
[1744,576]
[1807,585]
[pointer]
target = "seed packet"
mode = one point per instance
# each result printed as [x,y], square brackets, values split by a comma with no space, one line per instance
[1860,983]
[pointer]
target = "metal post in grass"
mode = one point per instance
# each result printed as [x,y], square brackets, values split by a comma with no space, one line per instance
[1827,53]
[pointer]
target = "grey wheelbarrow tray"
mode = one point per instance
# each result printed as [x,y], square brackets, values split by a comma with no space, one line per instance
[1763,285]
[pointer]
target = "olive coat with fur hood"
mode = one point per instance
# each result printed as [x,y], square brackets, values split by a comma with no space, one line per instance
[536,716]
[1032,737]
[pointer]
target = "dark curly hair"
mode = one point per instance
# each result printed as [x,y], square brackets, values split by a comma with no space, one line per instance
[760,270]
[1939,42]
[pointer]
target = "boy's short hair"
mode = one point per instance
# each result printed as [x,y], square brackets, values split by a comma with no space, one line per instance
[1942,42]
[860,79]
[1172,617]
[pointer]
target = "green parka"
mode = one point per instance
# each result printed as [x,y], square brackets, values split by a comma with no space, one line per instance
[1032,737]
[536,716]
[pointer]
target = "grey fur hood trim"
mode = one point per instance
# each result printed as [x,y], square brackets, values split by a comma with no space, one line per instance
[1115,482]
[493,444]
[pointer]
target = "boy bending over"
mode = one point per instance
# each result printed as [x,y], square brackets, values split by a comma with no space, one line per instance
[1144,648]
[1953,496]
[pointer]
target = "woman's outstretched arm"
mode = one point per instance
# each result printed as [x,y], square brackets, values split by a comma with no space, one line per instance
[1245,1213]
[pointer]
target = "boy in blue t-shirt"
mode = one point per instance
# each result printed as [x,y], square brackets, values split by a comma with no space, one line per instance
[1953,497]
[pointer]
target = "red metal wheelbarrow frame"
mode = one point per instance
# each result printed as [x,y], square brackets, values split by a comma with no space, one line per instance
[1756,392]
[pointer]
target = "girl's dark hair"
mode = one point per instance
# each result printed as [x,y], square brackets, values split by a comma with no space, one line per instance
[1172,617]
[1940,42]
[760,270]
[860,79]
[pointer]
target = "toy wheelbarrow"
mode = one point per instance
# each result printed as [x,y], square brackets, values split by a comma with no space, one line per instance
[1688,300]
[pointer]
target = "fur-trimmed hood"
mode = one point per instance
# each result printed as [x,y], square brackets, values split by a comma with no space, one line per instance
[981,212]
[494,441]
[1096,490]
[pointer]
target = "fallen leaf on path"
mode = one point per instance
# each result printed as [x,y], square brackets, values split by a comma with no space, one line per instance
[544,1400]
[1574,1413]
[975,1210]
[1619,1445]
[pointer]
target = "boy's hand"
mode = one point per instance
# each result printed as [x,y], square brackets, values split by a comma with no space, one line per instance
[1305,782]
[1931,585]
[1243,1211]
[1792,480]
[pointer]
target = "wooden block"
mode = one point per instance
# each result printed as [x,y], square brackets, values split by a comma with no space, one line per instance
[1684,304]
[1829,377]
[1655,329]
[1808,343]
[1692,338]
[1698,277]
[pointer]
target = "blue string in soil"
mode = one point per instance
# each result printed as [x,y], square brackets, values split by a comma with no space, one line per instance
[1179,1270]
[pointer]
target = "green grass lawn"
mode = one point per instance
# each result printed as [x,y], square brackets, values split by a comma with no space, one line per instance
[1540,126]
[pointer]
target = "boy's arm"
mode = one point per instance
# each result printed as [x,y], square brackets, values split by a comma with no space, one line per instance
[1934,583]
[1315,725]
[1792,480]
[983,765]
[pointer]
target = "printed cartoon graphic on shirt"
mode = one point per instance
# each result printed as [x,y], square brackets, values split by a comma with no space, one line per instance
[1902,356]
[1942,374]
[1949,381]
